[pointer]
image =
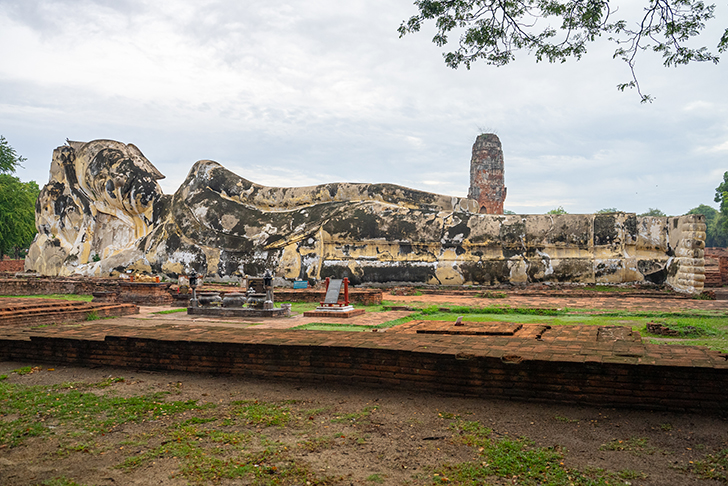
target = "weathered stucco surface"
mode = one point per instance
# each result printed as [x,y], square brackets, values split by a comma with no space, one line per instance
[221,224]
[487,174]
[99,201]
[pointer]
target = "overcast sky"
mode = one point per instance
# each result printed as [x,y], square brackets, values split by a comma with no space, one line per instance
[304,92]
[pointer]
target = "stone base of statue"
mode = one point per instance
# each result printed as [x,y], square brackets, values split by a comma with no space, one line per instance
[334,311]
[241,312]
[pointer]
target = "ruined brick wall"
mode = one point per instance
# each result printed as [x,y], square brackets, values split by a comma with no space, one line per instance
[11,265]
[716,267]
[486,174]
[123,291]
[605,384]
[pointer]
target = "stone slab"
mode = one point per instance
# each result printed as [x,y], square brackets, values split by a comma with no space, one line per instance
[333,291]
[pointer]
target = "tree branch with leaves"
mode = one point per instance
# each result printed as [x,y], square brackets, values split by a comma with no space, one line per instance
[493,30]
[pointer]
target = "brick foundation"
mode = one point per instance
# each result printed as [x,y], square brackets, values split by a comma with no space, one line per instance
[114,290]
[692,380]
[38,312]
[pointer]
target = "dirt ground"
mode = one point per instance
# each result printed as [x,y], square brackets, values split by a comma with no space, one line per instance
[400,441]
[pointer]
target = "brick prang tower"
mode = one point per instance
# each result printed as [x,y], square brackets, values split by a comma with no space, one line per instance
[486,174]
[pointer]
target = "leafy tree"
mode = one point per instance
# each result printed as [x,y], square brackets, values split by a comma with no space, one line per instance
[508,211]
[9,160]
[493,30]
[607,210]
[715,234]
[17,204]
[559,210]
[721,195]
[653,212]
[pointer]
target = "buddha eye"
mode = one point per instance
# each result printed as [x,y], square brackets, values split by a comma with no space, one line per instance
[110,189]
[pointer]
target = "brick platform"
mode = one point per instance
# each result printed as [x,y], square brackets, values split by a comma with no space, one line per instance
[34,312]
[108,289]
[602,366]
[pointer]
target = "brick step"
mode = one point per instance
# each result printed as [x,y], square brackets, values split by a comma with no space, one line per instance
[15,313]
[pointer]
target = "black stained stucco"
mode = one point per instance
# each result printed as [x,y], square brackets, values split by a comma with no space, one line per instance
[576,232]
[461,228]
[400,272]
[659,277]
[62,204]
[572,269]
[655,272]
[360,225]
[509,253]
[535,267]
[605,229]
[161,209]
[603,269]
[230,262]
[121,174]
[487,272]
[513,235]
[630,227]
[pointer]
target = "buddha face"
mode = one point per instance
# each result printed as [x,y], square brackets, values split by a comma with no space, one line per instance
[121,182]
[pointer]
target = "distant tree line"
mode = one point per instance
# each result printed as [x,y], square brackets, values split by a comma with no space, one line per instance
[17,205]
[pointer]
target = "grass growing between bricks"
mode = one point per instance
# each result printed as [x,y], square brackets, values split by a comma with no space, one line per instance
[696,328]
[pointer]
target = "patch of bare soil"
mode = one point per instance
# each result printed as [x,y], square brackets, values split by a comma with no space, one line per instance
[340,435]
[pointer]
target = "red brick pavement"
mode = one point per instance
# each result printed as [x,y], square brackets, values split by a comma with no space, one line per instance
[532,341]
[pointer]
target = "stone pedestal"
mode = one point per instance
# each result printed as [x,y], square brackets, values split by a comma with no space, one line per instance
[342,311]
